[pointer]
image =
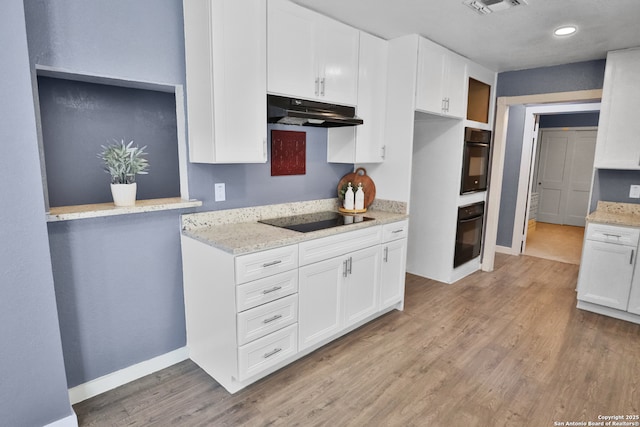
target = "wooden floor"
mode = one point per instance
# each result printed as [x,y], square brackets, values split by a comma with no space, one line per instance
[557,242]
[506,348]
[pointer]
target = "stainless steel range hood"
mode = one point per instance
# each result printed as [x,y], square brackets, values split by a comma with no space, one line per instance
[292,111]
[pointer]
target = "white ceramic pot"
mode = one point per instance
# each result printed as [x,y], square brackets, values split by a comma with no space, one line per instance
[124,194]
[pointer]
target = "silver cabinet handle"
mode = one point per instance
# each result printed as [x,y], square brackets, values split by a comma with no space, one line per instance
[271,353]
[444,108]
[386,254]
[269,264]
[275,288]
[317,91]
[322,82]
[631,258]
[344,268]
[397,231]
[612,235]
[350,264]
[271,319]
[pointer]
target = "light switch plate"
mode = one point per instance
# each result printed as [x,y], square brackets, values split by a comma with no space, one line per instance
[634,192]
[220,195]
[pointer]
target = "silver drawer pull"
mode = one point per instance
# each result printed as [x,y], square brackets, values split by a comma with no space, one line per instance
[275,288]
[271,319]
[271,353]
[612,235]
[397,231]
[269,264]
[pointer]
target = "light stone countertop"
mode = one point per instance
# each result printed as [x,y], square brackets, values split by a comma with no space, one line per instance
[625,214]
[237,231]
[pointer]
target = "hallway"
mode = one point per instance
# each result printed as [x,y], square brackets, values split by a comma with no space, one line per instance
[555,242]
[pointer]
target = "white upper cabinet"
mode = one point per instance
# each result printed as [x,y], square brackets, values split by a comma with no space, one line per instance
[226,65]
[618,145]
[441,81]
[311,56]
[365,143]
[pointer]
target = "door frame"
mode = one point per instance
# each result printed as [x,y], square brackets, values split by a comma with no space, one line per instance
[529,141]
[497,162]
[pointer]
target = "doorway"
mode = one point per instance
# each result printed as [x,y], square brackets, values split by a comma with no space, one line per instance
[562,152]
[562,101]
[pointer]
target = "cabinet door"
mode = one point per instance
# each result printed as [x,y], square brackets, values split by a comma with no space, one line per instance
[617,145]
[634,295]
[292,59]
[319,300]
[429,88]
[226,91]
[361,287]
[337,49]
[364,143]
[392,272]
[455,69]
[605,274]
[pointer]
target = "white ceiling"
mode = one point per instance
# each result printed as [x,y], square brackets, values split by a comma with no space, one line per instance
[513,39]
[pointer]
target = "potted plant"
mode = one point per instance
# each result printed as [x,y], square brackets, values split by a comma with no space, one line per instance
[123,163]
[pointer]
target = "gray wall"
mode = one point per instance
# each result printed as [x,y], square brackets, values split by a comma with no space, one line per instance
[562,78]
[32,381]
[109,319]
[613,186]
[569,120]
[559,78]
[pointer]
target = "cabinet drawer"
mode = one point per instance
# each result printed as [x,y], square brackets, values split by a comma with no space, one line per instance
[265,290]
[266,263]
[267,318]
[395,231]
[612,234]
[267,351]
[339,244]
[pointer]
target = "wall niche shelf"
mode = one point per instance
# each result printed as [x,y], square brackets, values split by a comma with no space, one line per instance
[78,113]
[67,213]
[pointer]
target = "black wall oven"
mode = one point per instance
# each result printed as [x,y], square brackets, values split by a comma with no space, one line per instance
[468,233]
[475,164]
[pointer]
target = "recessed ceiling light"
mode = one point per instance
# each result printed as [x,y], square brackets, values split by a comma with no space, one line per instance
[566,30]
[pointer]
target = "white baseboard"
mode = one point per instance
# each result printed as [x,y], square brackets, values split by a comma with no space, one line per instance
[70,421]
[126,375]
[504,250]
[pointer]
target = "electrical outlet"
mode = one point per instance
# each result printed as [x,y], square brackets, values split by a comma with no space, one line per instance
[634,192]
[220,195]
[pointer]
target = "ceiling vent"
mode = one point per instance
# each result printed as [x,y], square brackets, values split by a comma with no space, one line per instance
[485,7]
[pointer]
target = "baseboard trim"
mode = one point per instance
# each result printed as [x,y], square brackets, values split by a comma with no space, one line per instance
[70,421]
[123,376]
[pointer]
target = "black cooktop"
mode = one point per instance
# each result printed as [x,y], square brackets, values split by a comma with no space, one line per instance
[315,221]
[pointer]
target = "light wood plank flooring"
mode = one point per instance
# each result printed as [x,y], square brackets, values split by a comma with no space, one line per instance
[506,348]
[557,242]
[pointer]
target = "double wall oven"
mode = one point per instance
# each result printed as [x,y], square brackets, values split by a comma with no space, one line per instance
[475,170]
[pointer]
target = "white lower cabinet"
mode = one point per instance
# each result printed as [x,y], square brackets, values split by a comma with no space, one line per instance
[248,315]
[338,292]
[608,274]
[393,264]
[320,299]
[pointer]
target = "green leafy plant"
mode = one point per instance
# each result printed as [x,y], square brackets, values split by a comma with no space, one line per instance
[124,162]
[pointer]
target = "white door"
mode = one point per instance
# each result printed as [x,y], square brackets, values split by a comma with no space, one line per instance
[319,300]
[605,274]
[580,172]
[564,175]
[337,47]
[361,285]
[292,60]
[392,272]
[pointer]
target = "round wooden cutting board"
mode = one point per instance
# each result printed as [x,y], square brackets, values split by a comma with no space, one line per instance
[355,178]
